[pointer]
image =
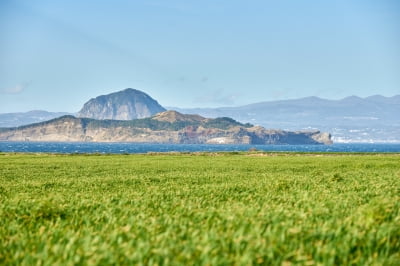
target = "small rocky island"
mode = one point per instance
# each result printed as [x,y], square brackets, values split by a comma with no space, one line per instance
[133,116]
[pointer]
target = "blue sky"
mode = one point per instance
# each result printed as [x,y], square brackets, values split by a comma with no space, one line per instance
[55,55]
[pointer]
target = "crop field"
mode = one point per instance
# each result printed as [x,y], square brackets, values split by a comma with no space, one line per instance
[200,209]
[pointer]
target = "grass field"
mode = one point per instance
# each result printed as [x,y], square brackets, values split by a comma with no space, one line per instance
[215,209]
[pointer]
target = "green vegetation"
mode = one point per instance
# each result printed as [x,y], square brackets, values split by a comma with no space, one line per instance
[220,123]
[137,123]
[150,123]
[224,123]
[215,209]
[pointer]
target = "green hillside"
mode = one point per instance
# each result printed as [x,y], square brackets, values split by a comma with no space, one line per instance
[150,123]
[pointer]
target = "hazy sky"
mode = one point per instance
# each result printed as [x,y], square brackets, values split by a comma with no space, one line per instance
[56,55]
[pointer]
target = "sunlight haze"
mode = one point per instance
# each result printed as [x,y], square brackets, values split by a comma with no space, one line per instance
[56,55]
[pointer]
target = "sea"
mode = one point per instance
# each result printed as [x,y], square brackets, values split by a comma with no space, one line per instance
[130,148]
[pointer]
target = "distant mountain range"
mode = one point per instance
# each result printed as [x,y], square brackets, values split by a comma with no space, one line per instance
[352,119]
[19,119]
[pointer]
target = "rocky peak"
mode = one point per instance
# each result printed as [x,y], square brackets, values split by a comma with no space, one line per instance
[123,105]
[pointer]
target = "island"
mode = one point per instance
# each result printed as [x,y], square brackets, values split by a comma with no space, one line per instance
[163,127]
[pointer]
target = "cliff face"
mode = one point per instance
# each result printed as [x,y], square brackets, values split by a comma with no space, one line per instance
[124,105]
[167,127]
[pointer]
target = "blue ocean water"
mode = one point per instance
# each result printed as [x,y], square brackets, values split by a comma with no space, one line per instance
[89,147]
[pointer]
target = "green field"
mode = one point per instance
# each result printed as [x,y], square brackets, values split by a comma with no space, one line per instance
[215,209]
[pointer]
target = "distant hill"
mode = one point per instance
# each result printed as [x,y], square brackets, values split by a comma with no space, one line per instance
[123,105]
[19,119]
[352,119]
[165,127]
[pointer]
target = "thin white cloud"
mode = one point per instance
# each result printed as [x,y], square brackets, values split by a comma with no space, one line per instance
[15,90]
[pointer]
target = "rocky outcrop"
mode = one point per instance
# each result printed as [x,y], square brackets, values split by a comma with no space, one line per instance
[123,105]
[166,127]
